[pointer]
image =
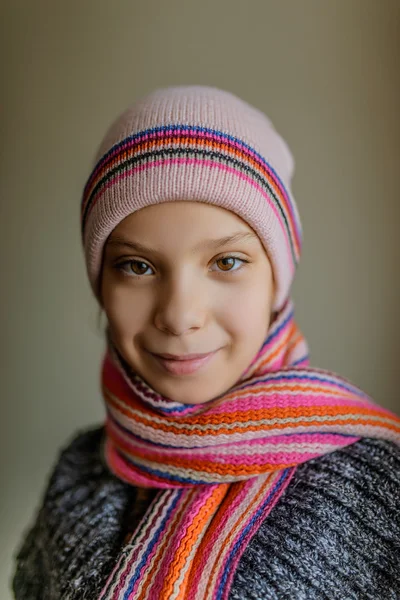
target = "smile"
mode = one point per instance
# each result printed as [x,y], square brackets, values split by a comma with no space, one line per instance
[184,366]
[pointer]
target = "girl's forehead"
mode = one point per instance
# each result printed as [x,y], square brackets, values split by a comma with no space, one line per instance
[182,226]
[183,217]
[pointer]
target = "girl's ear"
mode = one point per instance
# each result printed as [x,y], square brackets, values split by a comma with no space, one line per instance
[99,284]
[273,288]
[99,313]
[99,297]
[100,327]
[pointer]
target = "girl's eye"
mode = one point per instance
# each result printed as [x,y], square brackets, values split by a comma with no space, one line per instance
[134,267]
[138,268]
[225,263]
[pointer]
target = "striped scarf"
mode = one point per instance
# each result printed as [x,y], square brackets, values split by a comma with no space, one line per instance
[221,467]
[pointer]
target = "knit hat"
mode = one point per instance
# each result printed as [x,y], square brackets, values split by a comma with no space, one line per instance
[201,144]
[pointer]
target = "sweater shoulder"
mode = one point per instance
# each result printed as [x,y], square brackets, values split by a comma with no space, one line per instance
[80,454]
[335,532]
[78,529]
[369,466]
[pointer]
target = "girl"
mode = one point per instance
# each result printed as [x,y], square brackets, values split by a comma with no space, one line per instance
[227,467]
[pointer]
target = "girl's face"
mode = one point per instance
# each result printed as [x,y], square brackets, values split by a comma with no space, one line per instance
[172,285]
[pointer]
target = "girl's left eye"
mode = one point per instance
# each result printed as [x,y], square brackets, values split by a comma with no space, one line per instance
[131,267]
[227,262]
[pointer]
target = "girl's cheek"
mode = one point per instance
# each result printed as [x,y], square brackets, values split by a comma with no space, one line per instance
[126,309]
[244,312]
[131,316]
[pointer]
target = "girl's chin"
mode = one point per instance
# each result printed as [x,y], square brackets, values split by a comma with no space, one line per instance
[190,392]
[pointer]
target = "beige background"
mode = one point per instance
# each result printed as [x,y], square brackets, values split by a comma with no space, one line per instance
[325,71]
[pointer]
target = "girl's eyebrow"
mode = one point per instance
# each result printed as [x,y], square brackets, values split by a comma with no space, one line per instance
[239,236]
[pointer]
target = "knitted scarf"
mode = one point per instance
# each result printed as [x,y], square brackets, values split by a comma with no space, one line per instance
[222,466]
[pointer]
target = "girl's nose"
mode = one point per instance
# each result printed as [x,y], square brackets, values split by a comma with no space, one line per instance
[180,308]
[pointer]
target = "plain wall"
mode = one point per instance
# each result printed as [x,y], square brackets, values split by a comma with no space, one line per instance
[327,74]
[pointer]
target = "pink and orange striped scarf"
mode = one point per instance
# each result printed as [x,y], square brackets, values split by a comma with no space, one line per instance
[222,466]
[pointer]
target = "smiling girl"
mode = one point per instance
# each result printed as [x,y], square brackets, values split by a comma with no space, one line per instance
[227,466]
[201,284]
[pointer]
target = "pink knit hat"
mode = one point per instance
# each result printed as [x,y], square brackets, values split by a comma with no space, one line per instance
[200,144]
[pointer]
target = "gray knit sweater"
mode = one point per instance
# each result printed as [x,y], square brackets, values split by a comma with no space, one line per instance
[334,535]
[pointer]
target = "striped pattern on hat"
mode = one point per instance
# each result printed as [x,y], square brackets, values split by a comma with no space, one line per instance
[196,144]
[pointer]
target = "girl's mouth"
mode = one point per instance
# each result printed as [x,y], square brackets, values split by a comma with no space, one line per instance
[183,367]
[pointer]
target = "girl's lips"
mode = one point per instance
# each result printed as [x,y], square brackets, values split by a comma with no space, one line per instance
[184,367]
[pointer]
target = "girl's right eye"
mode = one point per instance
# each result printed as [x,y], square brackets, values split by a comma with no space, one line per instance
[135,268]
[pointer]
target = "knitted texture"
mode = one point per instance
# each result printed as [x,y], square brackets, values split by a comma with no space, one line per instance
[334,535]
[220,467]
[224,465]
[200,144]
[82,502]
